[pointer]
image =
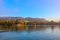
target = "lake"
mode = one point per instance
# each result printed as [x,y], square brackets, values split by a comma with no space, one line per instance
[43,32]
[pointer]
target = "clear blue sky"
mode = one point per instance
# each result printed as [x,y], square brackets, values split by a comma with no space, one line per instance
[30,8]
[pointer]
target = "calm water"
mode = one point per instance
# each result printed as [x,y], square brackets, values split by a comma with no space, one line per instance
[33,33]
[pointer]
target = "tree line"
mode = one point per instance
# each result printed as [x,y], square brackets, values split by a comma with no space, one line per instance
[15,22]
[18,24]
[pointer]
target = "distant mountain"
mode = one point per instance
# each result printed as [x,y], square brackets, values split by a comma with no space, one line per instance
[11,18]
[36,19]
[21,18]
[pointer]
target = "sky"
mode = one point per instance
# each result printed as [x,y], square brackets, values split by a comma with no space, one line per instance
[48,9]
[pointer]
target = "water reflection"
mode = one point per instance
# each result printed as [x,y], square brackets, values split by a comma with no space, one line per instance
[39,32]
[30,28]
[59,27]
[52,28]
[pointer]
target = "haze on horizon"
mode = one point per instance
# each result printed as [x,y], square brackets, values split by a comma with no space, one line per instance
[48,9]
